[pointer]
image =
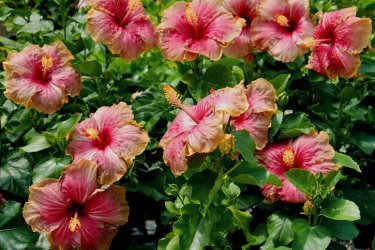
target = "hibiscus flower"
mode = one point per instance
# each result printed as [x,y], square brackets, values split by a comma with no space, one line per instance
[310,152]
[41,78]
[243,11]
[111,138]
[338,39]
[199,27]
[261,96]
[122,25]
[199,128]
[280,27]
[74,212]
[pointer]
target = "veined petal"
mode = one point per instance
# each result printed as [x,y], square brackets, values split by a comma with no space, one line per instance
[353,35]
[261,96]
[46,207]
[231,100]
[78,181]
[257,124]
[206,136]
[272,158]
[289,193]
[108,206]
[175,155]
[312,151]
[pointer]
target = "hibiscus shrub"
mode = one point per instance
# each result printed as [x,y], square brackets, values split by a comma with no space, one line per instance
[205,124]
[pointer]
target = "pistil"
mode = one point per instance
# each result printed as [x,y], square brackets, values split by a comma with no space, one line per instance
[174,98]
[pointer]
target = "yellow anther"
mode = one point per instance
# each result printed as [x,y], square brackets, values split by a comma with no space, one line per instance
[172,96]
[288,157]
[92,133]
[74,225]
[282,20]
[133,5]
[241,20]
[309,43]
[191,15]
[47,64]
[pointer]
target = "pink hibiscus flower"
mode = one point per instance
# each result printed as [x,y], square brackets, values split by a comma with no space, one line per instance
[309,152]
[338,39]
[200,27]
[245,12]
[281,26]
[41,78]
[261,96]
[74,212]
[111,138]
[199,128]
[122,25]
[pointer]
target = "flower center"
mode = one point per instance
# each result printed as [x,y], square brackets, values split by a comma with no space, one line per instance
[191,15]
[288,157]
[74,223]
[174,98]
[282,20]
[92,134]
[47,64]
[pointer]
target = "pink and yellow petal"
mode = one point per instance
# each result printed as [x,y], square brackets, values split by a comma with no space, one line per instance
[108,206]
[175,155]
[78,181]
[46,206]
[206,136]
[312,150]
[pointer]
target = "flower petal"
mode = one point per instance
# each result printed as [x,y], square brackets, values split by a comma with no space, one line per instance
[289,193]
[206,136]
[261,96]
[353,35]
[257,124]
[78,181]
[108,206]
[313,152]
[46,206]
[272,158]
[175,155]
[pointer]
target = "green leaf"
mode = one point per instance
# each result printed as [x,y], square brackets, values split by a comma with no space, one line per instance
[276,122]
[216,76]
[15,174]
[49,168]
[344,230]
[280,229]
[244,144]
[341,209]
[247,173]
[169,242]
[242,220]
[346,161]
[303,180]
[34,142]
[90,68]
[307,237]
[67,126]
[280,82]
[14,233]
[9,212]
[295,124]
[193,228]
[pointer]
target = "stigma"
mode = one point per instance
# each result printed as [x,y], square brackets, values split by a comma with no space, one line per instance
[191,15]
[288,157]
[282,20]
[92,134]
